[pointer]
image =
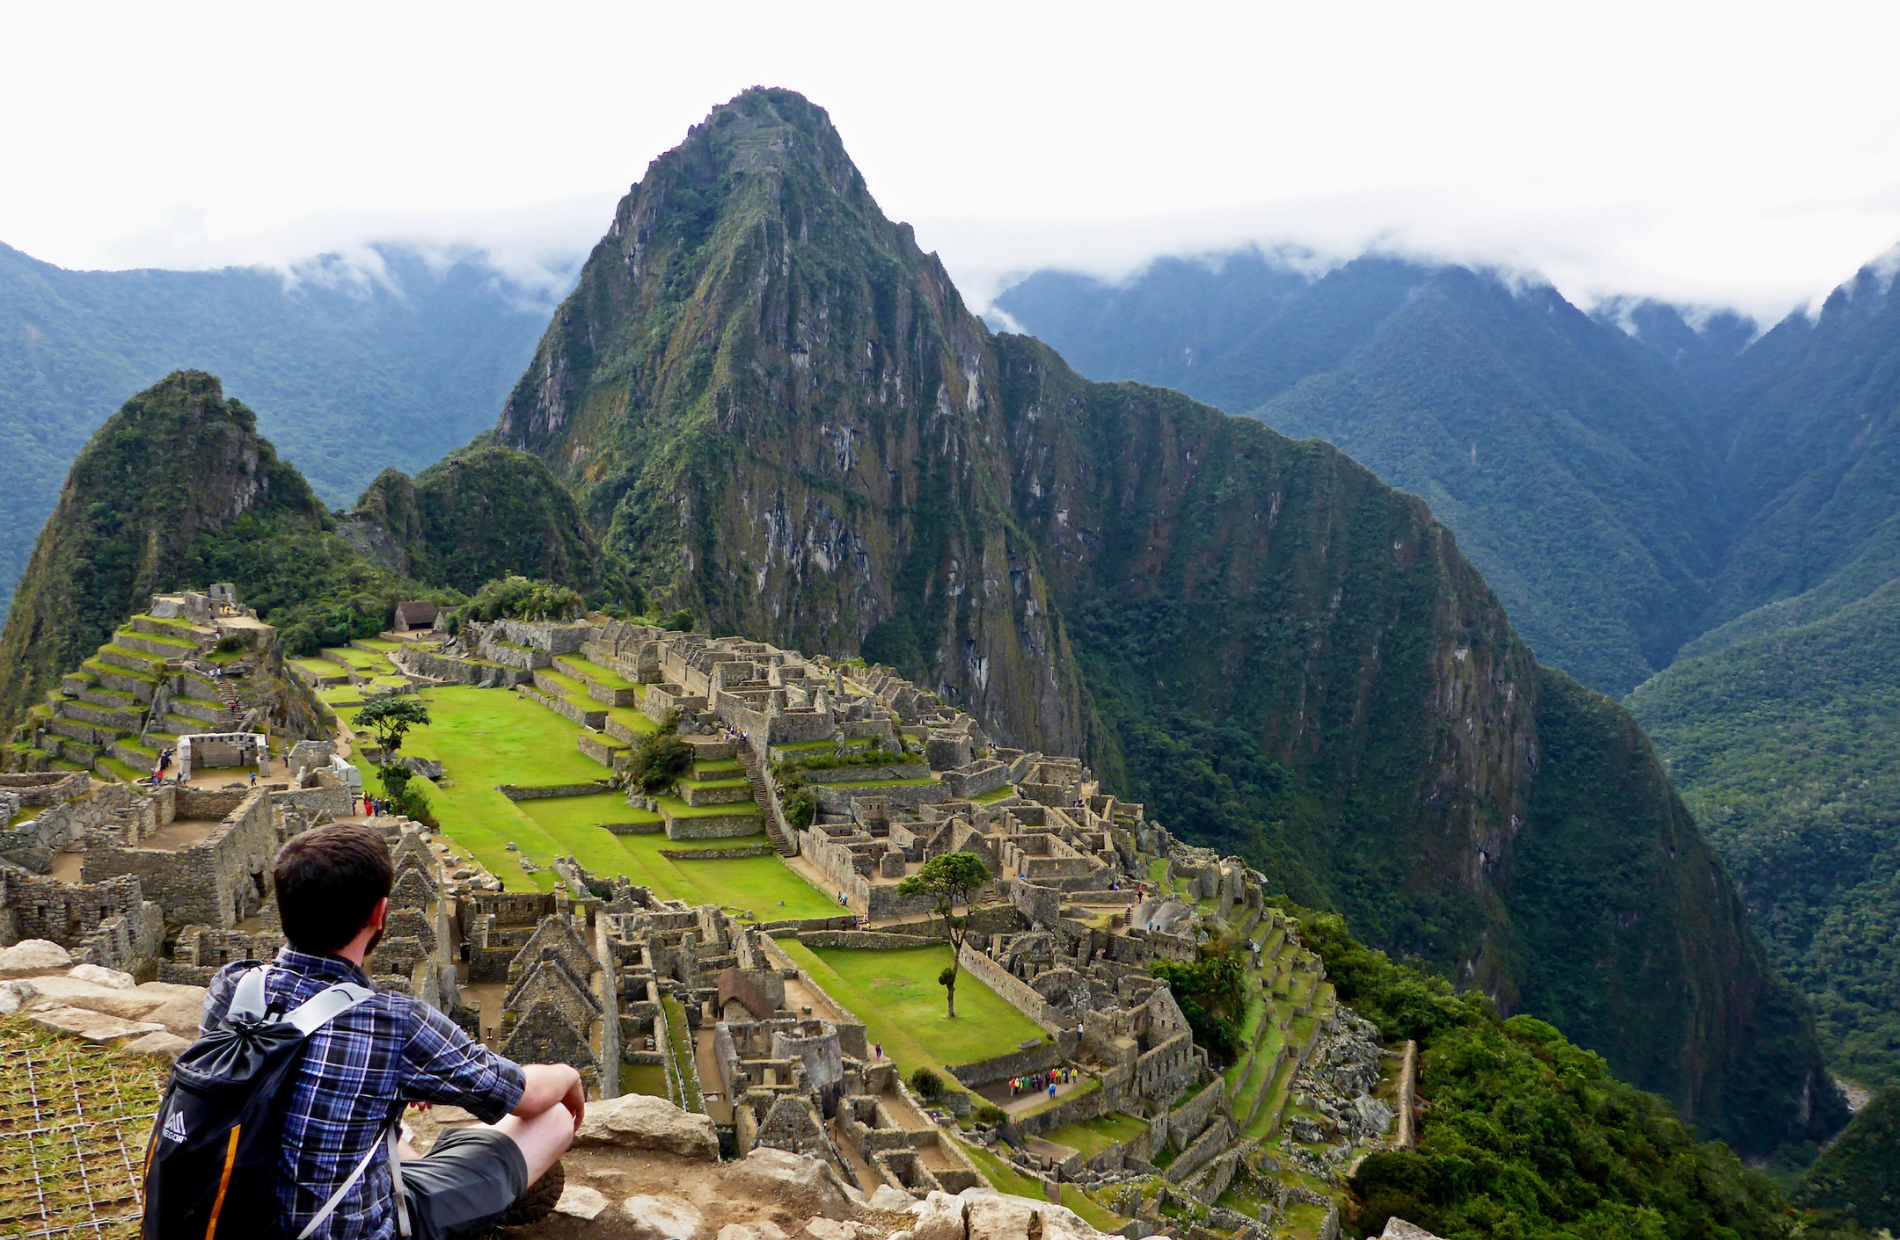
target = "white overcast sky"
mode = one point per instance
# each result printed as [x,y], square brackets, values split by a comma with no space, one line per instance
[1718,154]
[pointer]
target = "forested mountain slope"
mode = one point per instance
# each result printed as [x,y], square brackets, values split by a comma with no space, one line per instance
[1780,725]
[349,375]
[1787,748]
[777,409]
[1809,439]
[1563,458]
[1655,490]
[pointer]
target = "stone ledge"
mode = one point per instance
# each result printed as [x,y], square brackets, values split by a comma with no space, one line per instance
[540,792]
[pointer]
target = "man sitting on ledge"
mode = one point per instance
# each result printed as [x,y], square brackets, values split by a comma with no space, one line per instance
[359,1070]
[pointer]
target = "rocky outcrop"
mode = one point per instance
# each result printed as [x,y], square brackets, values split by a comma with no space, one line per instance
[642,1122]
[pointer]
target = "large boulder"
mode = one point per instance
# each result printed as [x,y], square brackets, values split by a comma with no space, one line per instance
[998,1216]
[801,1183]
[159,1045]
[938,1217]
[99,975]
[1397,1228]
[643,1122]
[178,1008]
[890,1197]
[33,956]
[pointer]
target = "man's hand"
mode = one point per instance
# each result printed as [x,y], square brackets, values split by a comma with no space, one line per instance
[551,1085]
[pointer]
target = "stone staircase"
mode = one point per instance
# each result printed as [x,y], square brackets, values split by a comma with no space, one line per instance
[767,799]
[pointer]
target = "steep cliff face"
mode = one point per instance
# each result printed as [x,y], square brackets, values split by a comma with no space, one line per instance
[780,413]
[177,462]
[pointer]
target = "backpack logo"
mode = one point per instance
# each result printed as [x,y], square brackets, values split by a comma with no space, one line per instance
[175,1126]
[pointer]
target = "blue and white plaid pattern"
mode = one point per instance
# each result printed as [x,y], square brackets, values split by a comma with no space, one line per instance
[356,1071]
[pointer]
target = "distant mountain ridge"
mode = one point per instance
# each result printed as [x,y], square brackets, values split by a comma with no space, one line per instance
[1560,454]
[352,372]
[1669,502]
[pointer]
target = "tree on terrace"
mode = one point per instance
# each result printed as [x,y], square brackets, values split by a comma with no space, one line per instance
[390,719]
[951,879]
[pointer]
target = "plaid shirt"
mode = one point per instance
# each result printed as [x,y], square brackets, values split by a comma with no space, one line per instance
[357,1072]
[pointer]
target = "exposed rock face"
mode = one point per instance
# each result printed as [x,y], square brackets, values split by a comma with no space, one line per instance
[779,411]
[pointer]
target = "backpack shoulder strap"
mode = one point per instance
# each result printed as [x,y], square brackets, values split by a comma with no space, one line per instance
[327,1004]
[247,1000]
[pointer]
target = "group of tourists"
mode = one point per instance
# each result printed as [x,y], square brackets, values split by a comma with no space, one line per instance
[164,764]
[374,806]
[1036,1082]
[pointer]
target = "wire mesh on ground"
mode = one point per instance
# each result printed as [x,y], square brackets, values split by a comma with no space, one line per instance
[74,1121]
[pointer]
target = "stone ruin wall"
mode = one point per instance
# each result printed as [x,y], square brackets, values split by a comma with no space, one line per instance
[217,881]
[109,923]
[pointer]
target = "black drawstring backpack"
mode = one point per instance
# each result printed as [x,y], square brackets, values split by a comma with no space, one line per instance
[213,1159]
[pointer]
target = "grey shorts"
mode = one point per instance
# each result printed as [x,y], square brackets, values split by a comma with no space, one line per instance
[468,1178]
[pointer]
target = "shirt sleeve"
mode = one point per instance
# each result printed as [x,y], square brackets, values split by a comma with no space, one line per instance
[218,997]
[440,1063]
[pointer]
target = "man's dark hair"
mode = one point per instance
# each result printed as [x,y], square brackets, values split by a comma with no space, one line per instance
[328,882]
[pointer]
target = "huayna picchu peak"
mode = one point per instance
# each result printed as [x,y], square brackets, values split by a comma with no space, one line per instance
[786,585]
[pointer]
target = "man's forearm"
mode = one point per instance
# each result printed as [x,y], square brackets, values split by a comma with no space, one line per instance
[548,1085]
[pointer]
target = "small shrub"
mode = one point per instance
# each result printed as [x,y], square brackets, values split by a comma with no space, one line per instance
[801,806]
[926,1084]
[989,1113]
[658,759]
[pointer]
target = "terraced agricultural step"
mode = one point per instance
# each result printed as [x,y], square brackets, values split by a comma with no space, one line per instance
[110,699]
[194,708]
[79,755]
[163,647]
[599,748]
[198,686]
[131,660]
[72,729]
[140,685]
[174,630]
[133,754]
[178,725]
[75,683]
[111,718]
[721,792]
[564,707]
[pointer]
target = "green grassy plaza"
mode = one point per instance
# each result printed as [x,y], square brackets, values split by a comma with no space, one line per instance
[1096,1135]
[896,995]
[486,737]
